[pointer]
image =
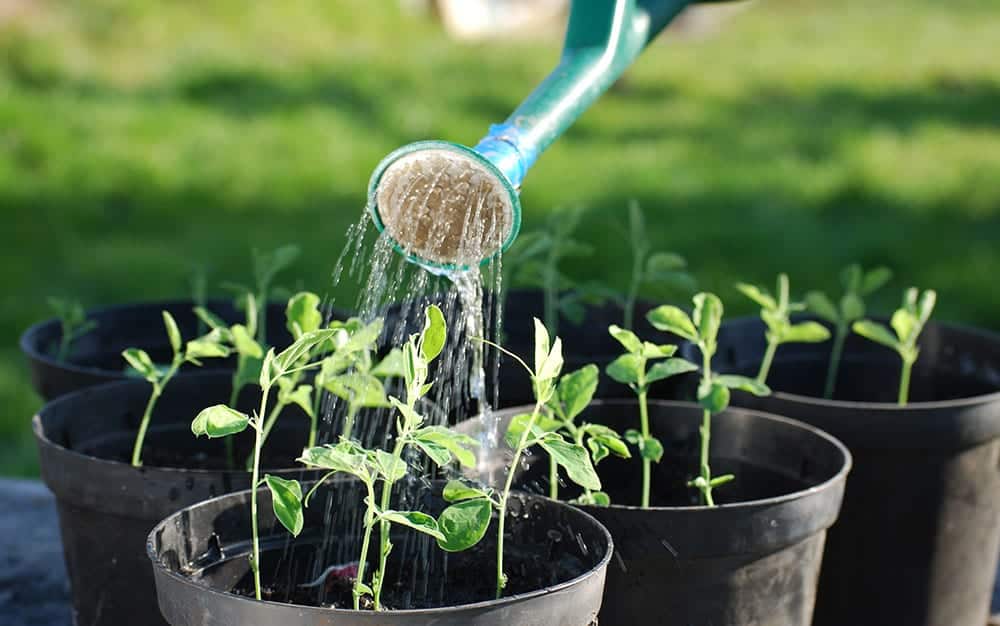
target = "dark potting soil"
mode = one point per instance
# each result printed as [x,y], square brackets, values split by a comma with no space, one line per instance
[440,579]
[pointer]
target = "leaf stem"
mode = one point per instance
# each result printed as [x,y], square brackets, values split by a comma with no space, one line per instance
[352,412]
[706,471]
[502,509]
[384,525]
[365,542]
[839,338]
[765,365]
[553,479]
[646,463]
[147,414]
[904,382]
[258,444]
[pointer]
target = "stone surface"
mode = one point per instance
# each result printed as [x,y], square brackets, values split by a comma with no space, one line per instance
[33,586]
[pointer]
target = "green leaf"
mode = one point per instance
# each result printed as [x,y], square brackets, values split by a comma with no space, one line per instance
[721,480]
[391,366]
[758,295]
[714,397]
[210,319]
[651,449]
[852,307]
[391,467]
[576,390]
[662,263]
[820,305]
[668,368]
[286,500]
[742,383]
[302,314]
[267,368]
[625,369]
[875,279]
[611,443]
[207,347]
[671,319]
[410,416]
[904,323]
[219,421]
[707,316]
[806,332]
[926,306]
[877,333]
[573,458]
[435,333]
[520,422]
[293,354]
[464,524]
[571,308]
[553,363]
[653,351]
[599,498]
[244,342]
[173,332]
[851,277]
[344,457]
[456,491]
[361,336]
[360,390]
[140,361]
[627,338]
[300,396]
[541,345]
[416,520]
[451,441]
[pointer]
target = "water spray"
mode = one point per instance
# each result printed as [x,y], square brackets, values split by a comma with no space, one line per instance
[447,206]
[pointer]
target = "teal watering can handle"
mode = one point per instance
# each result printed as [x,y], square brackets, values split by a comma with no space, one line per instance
[603,38]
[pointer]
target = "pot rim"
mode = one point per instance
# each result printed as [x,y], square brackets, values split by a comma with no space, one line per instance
[891,407]
[839,477]
[161,569]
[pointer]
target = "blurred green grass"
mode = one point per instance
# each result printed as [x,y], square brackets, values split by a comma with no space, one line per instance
[139,140]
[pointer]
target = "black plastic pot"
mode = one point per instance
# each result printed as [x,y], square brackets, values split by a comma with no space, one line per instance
[588,342]
[96,356]
[107,507]
[919,534]
[753,560]
[202,571]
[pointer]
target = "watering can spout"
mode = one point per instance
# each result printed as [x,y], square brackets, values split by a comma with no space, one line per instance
[425,195]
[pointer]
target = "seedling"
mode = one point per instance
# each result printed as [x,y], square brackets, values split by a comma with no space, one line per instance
[459,526]
[535,260]
[907,322]
[776,312]
[221,420]
[208,346]
[666,269]
[702,329]
[857,284]
[524,432]
[571,397]
[73,322]
[630,369]
[266,266]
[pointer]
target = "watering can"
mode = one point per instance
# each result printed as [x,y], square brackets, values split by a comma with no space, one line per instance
[450,207]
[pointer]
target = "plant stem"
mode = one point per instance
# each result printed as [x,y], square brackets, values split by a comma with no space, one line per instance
[148,413]
[384,526]
[553,479]
[502,509]
[839,338]
[365,541]
[352,412]
[904,382]
[65,341]
[706,472]
[258,444]
[765,365]
[646,463]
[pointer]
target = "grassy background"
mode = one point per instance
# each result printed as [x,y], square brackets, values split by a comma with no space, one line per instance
[140,139]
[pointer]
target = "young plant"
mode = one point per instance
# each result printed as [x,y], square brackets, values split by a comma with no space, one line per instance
[572,395]
[73,322]
[776,312]
[907,322]
[662,268]
[221,420]
[535,261]
[524,431]
[459,526]
[857,284]
[630,369]
[266,266]
[208,346]
[702,329]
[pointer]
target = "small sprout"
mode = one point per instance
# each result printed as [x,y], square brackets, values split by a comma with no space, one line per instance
[631,369]
[907,323]
[538,429]
[73,322]
[857,284]
[210,345]
[535,260]
[667,270]
[702,329]
[776,312]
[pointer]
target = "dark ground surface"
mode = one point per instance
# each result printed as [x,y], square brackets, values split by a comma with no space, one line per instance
[33,586]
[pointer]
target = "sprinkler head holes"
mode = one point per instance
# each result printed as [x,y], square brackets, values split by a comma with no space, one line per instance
[444,205]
